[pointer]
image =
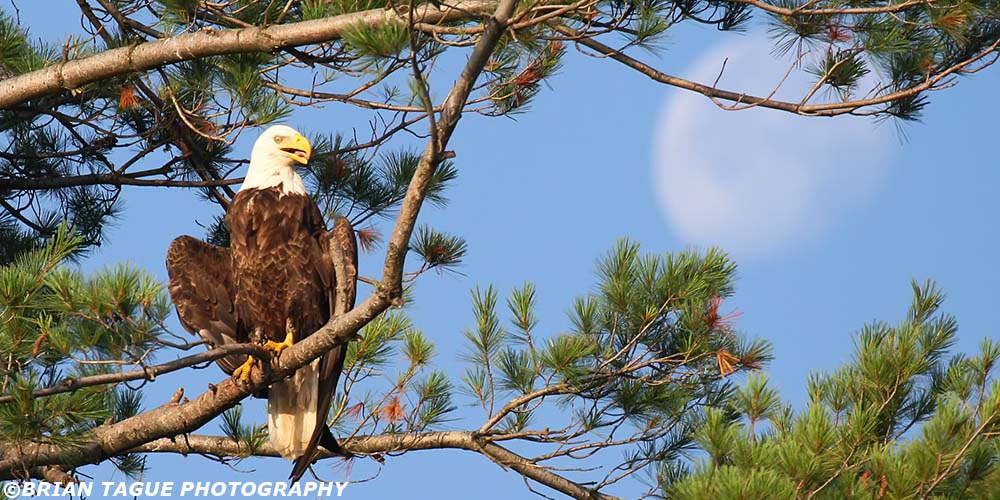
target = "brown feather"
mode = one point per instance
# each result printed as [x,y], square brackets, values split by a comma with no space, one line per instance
[201,287]
[277,262]
[287,266]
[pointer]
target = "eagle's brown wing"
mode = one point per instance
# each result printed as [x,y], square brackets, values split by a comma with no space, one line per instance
[341,248]
[201,287]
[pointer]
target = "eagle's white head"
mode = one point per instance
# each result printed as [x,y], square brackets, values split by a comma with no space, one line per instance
[273,160]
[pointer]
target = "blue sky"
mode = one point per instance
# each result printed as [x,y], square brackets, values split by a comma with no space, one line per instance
[828,219]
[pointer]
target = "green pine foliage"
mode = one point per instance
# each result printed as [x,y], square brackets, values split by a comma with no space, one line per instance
[177,14]
[905,46]
[637,371]
[56,325]
[36,153]
[19,54]
[389,384]
[315,9]
[376,44]
[15,241]
[344,182]
[520,69]
[841,70]
[903,419]
[485,343]
[250,437]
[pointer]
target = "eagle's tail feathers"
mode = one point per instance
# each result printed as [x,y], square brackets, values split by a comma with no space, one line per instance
[291,411]
[327,441]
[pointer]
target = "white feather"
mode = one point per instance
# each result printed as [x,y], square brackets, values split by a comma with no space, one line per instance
[291,403]
[270,168]
[291,411]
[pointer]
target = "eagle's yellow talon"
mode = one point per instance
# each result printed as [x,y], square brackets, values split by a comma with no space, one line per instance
[289,341]
[243,371]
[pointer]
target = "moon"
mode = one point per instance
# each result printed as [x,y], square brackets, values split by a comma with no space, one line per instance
[760,183]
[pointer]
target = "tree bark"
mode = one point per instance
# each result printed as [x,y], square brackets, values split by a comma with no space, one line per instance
[73,74]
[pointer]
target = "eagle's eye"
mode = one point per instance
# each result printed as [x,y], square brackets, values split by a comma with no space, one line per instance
[279,138]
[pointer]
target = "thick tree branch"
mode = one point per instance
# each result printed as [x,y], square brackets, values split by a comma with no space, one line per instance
[225,447]
[503,456]
[143,56]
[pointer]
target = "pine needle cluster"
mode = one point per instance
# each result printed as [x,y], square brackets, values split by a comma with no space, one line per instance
[58,326]
[636,372]
[903,419]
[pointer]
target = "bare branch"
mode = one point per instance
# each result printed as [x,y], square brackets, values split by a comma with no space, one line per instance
[110,179]
[144,373]
[825,109]
[385,443]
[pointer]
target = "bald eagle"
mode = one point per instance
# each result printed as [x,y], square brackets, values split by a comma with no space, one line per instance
[280,280]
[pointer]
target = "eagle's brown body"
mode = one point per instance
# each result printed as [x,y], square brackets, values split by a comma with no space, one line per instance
[282,278]
[280,268]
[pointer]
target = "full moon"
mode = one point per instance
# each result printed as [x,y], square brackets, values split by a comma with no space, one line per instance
[761,182]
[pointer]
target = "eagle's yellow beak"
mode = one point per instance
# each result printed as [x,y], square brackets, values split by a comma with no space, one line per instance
[297,147]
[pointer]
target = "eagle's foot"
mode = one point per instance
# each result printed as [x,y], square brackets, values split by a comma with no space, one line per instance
[277,347]
[243,371]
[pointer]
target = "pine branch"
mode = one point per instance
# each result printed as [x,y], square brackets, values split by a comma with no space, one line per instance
[143,56]
[136,179]
[745,100]
[386,443]
[806,10]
